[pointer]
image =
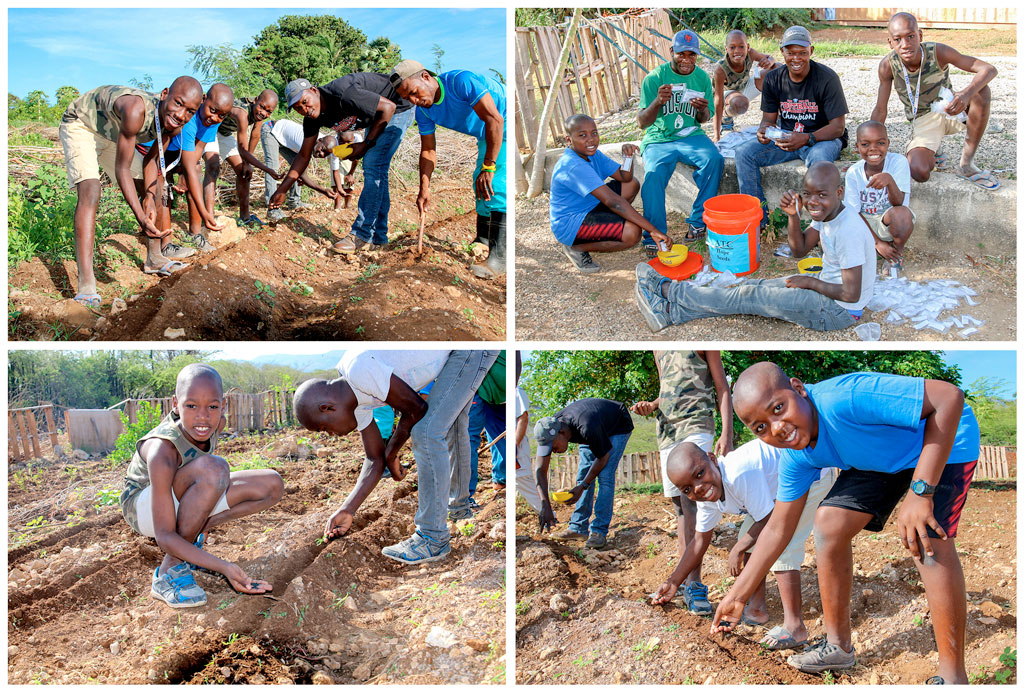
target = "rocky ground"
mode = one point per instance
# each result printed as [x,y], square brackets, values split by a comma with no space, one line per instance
[79,609]
[582,616]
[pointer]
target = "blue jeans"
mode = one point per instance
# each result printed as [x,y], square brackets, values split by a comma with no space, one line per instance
[605,481]
[765,297]
[440,440]
[371,224]
[485,417]
[750,157]
[660,163]
[272,149]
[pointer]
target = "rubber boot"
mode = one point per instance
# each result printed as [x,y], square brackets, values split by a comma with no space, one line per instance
[494,266]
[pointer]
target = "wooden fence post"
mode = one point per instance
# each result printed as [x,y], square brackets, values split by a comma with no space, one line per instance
[33,432]
[12,437]
[50,425]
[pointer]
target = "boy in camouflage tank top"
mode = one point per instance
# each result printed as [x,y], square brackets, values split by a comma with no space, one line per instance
[919,71]
[176,490]
[691,382]
[736,80]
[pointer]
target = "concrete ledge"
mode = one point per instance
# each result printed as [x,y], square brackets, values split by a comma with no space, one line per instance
[951,212]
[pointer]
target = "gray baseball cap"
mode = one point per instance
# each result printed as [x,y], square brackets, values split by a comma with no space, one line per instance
[796,36]
[293,92]
[544,432]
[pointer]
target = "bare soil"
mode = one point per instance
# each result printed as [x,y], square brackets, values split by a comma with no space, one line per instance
[604,631]
[79,608]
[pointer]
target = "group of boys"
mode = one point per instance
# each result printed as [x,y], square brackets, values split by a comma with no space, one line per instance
[887,434]
[803,117]
[142,140]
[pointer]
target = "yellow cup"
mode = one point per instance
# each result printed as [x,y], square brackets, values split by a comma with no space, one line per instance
[561,496]
[674,256]
[809,265]
[342,150]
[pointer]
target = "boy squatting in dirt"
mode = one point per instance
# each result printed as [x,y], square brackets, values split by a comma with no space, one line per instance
[744,482]
[438,426]
[176,490]
[887,433]
[836,300]
[100,129]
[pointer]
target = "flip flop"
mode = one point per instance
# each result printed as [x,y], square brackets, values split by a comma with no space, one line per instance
[751,622]
[168,269]
[694,233]
[941,162]
[983,179]
[784,639]
[89,300]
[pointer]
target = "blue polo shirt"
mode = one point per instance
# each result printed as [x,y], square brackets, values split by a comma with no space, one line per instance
[572,181]
[870,422]
[192,130]
[460,91]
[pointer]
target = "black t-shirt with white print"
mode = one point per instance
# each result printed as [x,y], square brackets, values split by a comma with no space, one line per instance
[805,106]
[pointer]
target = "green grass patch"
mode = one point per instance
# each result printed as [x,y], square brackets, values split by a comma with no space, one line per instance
[641,488]
[28,139]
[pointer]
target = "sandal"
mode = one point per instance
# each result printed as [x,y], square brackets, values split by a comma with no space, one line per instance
[783,639]
[983,179]
[168,269]
[941,161]
[89,300]
[694,233]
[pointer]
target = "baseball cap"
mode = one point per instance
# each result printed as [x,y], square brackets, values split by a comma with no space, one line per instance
[796,36]
[686,40]
[405,69]
[544,432]
[293,92]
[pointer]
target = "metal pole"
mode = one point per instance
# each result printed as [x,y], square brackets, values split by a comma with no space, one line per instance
[617,47]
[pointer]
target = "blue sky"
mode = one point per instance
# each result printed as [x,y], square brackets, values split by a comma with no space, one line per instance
[91,47]
[996,365]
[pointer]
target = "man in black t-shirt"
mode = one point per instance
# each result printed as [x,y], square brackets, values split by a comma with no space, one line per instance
[805,100]
[362,100]
[601,428]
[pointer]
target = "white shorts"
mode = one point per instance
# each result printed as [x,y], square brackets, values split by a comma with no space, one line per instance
[793,556]
[526,484]
[702,440]
[144,509]
[86,152]
[225,146]
[750,90]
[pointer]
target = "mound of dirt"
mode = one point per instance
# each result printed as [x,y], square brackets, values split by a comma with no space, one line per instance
[79,608]
[583,615]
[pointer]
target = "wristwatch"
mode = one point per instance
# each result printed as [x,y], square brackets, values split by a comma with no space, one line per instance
[919,487]
[811,140]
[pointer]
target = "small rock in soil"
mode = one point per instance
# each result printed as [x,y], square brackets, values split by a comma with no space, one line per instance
[117,305]
[478,644]
[172,333]
[547,653]
[559,603]
[225,672]
[115,648]
[440,637]
[11,650]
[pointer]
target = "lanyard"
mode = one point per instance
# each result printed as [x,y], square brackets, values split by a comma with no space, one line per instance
[166,192]
[914,96]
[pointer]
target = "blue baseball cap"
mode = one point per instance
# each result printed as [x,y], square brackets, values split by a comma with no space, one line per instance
[686,40]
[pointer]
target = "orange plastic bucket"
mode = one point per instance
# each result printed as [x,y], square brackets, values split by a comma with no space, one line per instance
[734,240]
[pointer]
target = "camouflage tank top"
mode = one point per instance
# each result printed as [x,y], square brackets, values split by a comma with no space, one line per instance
[229,126]
[137,476]
[932,79]
[736,81]
[687,397]
[96,111]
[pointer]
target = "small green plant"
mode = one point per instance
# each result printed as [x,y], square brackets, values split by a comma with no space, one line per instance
[300,288]
[302,615]
[828,678]
[360,329]
[264,292]
[370,270]
[645,648]
[467,529]
[124,447]
[523,607]
[468,314]
[232,638]
[355,299]
[583,661]
[652,550]
[918,620]
[566,613]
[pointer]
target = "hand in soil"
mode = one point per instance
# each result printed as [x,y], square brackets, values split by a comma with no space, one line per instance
[338,524]
[241,582]
[546,517]
[728,614]
[665,593]
[913,520]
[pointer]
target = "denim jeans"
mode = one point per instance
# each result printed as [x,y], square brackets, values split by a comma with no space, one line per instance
[751,156]
[485,417]
[765,297]
[660,163]
[371,223]
[440,440]
[271,150]
[605,482]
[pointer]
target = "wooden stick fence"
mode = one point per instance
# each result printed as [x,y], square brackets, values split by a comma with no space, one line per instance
[26,438]
[996,463]
[245,412]
[608,62]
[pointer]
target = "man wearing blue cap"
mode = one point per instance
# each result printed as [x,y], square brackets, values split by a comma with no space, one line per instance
[675,100]
[601,428]
[358,100]
[805,100]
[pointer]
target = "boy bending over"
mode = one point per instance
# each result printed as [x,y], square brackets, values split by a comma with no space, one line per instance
[887,434]
[835,300]
[176,490]
[745,482]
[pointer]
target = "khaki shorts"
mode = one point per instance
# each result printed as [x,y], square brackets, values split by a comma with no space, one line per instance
[702,440]
[880,228]
[144,509]
[225,146]
[85,153]
[793,556]
[930,128]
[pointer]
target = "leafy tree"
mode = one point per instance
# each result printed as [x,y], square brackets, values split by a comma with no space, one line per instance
[36,106]
[751,20]
[145,82]
[438,52]
[14,104]
[997,416]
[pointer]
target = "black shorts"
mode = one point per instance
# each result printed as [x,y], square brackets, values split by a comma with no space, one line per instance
[601,223]
[876,493]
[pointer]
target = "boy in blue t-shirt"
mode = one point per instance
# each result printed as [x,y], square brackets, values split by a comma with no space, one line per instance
[588,215]
[888,434]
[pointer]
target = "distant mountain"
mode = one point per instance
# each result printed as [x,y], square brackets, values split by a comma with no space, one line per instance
[304,363]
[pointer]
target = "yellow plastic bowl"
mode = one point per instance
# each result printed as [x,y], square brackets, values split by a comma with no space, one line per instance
[342,150]
[674,256]
[809,265]
[561,496]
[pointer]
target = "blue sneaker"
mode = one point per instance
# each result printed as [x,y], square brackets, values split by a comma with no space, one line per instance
[177,587]
[727,124]
[199,544]
[417,549]
[473,505]
[696,598]
[653,306]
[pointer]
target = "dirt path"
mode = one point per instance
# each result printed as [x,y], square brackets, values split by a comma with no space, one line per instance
[602,307]
[79,608]
[582,616]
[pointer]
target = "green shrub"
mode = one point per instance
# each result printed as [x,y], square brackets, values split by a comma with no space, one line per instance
[28,139]
[751,20]
[124,447]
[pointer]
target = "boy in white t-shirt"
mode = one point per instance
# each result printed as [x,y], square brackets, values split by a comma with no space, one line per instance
[744,482]
[878,186]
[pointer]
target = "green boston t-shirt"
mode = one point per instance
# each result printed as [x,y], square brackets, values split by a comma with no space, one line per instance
[677,118]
